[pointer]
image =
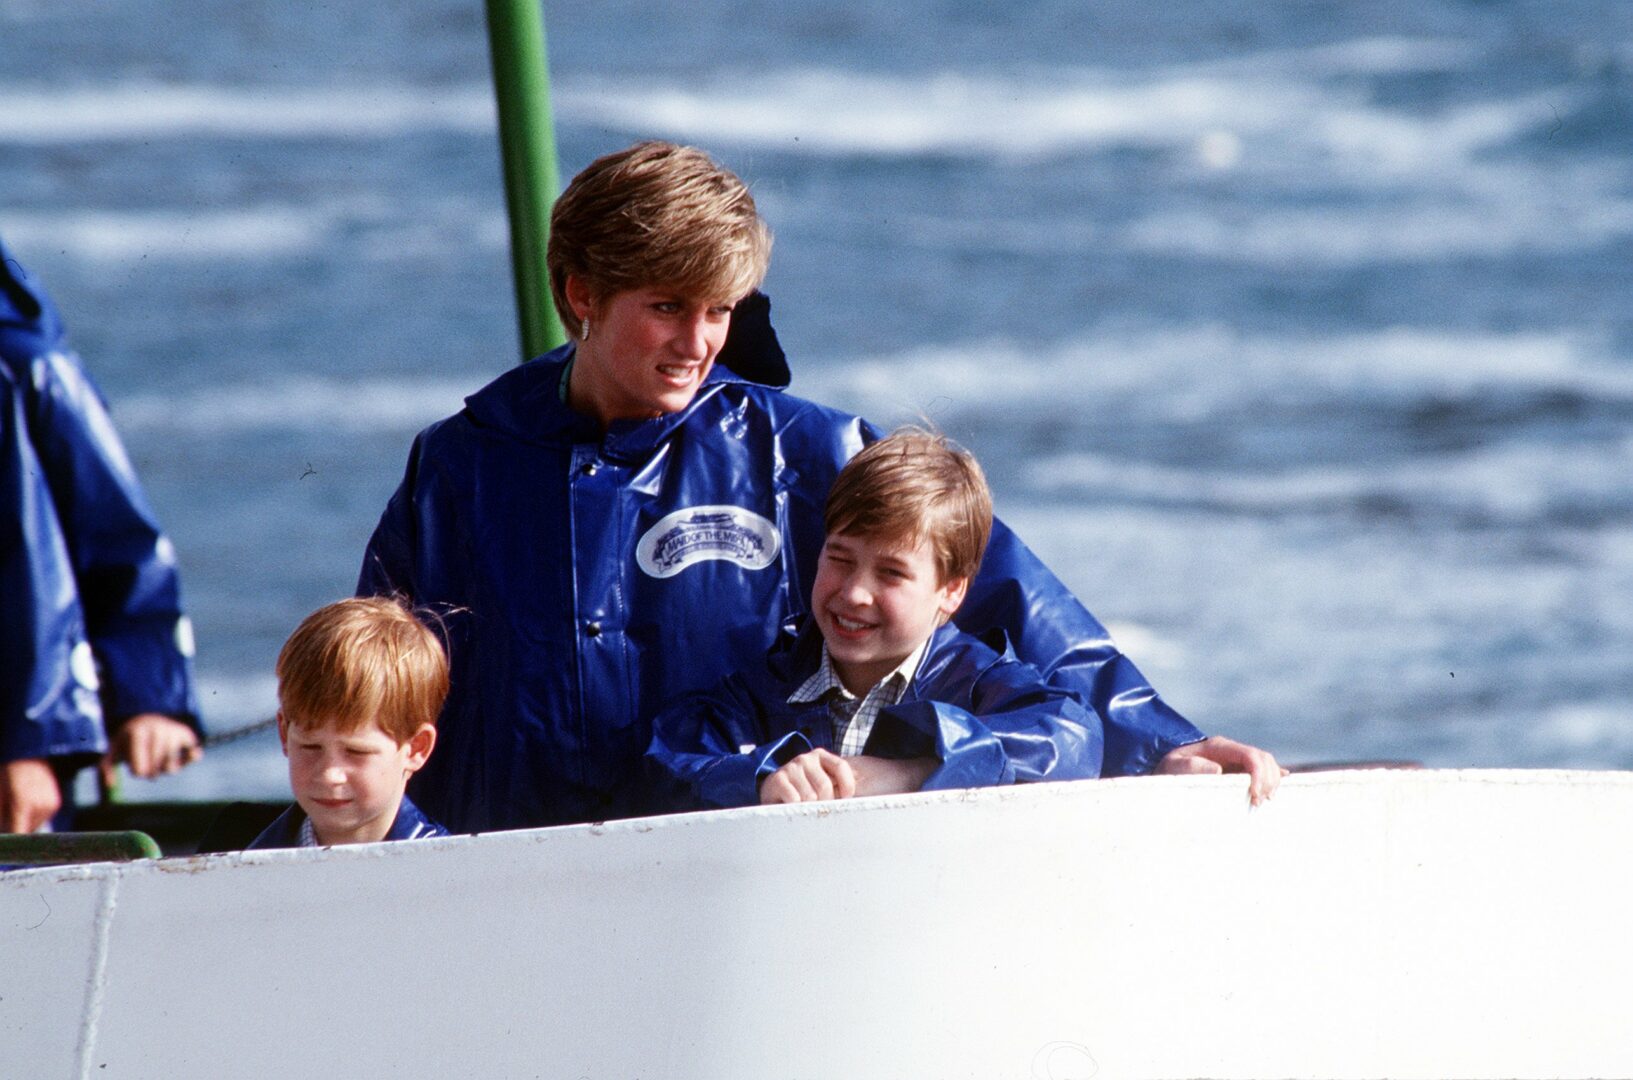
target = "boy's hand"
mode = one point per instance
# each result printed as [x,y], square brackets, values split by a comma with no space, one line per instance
[1217,754]
[29,795]
[886,776]
[814,776]
[152,744]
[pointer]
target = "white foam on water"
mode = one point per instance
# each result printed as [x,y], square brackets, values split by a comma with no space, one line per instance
[1353,236]
[1199,370]
[304,403]
[1409,361]
[1468,211]
[1432,186]
[1584,734]
[1281,95]
[983,236]
[1372,139]
[1211,372]
[1279,105]
[1387,55]
[1435,187]
[1512,484]
[369,228]
[1361,139]
[825,111]
[141,110]
[1443,655]
[961,375]
[125,236]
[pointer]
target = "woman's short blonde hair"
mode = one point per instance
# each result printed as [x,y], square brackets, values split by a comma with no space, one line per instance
[910,486]
[366,659]
[656,214]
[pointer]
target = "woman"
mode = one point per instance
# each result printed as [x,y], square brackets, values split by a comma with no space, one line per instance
[632,516]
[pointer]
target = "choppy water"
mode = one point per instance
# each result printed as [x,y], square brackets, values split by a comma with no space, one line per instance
[1297,337]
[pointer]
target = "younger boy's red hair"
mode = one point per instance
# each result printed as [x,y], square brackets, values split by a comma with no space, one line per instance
[360,661]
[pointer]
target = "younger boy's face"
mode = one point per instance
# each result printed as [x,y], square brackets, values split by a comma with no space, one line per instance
[875,603]
[350,784]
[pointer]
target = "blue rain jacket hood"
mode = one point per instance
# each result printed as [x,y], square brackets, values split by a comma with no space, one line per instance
[588,578]
[89,597]
[985,716]
[285,830]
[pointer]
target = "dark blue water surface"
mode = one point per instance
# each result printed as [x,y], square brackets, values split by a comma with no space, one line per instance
[1297,337]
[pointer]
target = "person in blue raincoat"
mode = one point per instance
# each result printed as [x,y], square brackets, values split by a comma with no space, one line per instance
[96,656]
[634,515]
[874,692]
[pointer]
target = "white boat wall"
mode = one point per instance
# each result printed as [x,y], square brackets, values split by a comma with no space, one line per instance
[1363,924]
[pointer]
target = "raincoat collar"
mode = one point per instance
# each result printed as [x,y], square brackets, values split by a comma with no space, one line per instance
[410,823]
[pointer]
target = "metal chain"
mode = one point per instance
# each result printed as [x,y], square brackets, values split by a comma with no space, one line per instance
[234,734]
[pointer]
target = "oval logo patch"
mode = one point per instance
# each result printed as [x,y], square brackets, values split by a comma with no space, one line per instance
[700,533]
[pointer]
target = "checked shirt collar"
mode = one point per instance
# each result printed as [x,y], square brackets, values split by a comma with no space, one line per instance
[853,717]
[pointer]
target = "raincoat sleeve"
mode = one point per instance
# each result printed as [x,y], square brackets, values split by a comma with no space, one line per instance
[1054,633]
[713,748]
[1010,726]
[89,596]
[124,565]
[48,703]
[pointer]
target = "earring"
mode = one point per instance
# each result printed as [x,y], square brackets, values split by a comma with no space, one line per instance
[584,330]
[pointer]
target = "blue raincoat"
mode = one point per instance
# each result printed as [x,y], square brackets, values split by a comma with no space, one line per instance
[90,607]
[285,830]
[589,579]
[988,718]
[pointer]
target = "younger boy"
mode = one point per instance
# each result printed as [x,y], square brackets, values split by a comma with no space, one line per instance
[360,684]
[875,691]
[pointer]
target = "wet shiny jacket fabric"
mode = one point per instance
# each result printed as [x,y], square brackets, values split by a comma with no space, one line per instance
[588,579]
[285,830]
[90,604]
[984,715]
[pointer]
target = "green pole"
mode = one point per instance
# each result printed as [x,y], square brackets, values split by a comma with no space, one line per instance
[527,146]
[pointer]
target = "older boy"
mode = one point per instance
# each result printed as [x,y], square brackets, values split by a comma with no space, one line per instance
[360,683]
[876,691]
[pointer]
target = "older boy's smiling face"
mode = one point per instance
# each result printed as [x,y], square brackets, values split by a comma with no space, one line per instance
[351,784]
[875,603]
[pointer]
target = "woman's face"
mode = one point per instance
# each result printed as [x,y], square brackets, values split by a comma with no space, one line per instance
[647,353]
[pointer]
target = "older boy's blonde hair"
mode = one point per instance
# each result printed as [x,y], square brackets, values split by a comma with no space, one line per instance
[360,661]
[656,214]
[915,485]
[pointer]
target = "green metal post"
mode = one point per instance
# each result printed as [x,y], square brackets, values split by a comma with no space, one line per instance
[527,145]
